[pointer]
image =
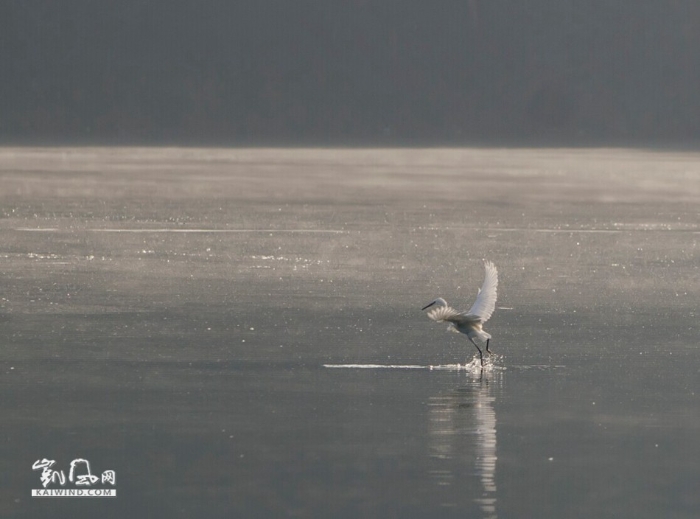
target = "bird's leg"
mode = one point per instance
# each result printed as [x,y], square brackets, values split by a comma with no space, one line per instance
[487,347]
[481,355]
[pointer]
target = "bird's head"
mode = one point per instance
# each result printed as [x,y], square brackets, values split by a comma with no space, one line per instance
[438,302]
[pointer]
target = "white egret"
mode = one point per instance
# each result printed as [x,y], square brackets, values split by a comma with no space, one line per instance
[470,323]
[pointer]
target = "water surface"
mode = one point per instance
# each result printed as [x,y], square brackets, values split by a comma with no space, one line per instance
[169,314]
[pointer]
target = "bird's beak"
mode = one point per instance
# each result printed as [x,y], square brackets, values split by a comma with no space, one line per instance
[428,306]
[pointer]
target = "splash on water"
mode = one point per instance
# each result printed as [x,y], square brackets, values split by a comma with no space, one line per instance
[491,363]
[375,366]
[474,366]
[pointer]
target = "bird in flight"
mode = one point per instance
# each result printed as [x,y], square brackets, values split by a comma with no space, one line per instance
[470,323]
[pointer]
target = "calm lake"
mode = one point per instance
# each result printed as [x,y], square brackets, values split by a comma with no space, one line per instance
[238,332]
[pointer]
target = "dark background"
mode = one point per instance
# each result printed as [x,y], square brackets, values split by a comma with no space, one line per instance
[350,72]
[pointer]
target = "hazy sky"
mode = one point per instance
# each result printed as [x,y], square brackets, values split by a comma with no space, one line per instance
[350,72]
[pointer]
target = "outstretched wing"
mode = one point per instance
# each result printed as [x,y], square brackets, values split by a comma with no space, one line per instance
[449,314]
[485,302]
[442,313]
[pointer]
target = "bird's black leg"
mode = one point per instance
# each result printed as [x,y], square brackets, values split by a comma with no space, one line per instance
[487,347]
[481,355]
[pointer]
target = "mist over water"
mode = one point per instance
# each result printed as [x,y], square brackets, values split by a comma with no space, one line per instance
[179,316]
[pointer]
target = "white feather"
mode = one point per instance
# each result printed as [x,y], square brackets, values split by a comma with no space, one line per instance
[485,302]
[442,313]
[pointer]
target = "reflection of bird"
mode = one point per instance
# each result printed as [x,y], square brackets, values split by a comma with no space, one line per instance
[470,323]
[463,442]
